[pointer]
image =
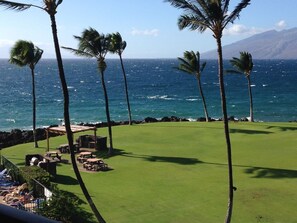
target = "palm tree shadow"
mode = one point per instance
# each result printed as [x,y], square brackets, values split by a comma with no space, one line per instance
[67,180]
[283,128]
[257,172]
[168,159]
[262,172]
[247,131]
[171,159]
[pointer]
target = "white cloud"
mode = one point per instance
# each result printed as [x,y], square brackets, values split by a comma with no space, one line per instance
[6,43]
[146,32]
[281,24]
[238,29]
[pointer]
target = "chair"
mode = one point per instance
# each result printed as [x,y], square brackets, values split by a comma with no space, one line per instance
[3,174]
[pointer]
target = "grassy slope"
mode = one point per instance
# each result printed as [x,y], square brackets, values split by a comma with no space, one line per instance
[176,172]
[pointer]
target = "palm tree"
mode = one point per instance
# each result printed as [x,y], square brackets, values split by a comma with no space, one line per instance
[117,45]
[50,7]
[24,53]
[214,15]
[244,65]
[191,65]
[94,45]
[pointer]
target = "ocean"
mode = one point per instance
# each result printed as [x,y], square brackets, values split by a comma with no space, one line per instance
[156,90]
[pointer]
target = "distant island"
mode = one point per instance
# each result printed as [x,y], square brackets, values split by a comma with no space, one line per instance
[267,45]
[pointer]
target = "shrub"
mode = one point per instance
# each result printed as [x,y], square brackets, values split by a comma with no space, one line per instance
[65,207]
[30,173]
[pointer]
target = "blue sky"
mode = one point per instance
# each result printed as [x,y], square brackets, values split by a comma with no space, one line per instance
[148,26]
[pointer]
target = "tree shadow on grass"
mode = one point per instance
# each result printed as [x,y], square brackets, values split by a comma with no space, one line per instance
[258,172]
[283,128]
[262,172]
[248,131]
[67,180]
[172,159]
[168,159]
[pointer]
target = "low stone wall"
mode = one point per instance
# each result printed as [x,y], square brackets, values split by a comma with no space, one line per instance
[17,136]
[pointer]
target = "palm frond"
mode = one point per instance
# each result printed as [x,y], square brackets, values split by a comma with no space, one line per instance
[185,66]
[25,53]
[117,45]
[78,52]
[194,14]
[14,5]
[243,64]
[59,2]
[235,13]
[202,67]
[16,61]
[225,6]
[192,22]
[232,72]
[190,63]
[37,55]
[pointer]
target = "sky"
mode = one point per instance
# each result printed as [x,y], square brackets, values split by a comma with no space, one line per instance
[148,26]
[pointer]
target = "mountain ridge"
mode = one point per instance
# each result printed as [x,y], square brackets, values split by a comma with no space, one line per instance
[271,44]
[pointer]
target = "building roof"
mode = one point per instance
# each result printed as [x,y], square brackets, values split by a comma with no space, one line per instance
[74,128]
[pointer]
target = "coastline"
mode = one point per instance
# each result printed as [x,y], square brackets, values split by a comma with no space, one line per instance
[18,136]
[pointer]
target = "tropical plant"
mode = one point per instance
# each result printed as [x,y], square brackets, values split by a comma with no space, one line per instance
[50,7]
[191,65]
[64,202]
[94,45]
[24,53]
[117,45]
[214,15]
[244,65]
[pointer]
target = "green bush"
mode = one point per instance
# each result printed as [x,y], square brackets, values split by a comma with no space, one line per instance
[65,207]
[30,173]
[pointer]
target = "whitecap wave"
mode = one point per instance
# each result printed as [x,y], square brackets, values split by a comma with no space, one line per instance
[10,120]
[192,119]
[162,97]
[192,99]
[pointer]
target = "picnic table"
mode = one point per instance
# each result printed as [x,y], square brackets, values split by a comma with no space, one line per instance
[53,155]
[83,156]
[64,148]
[95,164]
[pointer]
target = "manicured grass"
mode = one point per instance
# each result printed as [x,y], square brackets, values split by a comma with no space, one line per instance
[176,172]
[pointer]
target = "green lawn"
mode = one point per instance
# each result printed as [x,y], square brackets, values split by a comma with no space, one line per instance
[177,172]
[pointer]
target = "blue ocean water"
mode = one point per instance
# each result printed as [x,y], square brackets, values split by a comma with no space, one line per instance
[156,89]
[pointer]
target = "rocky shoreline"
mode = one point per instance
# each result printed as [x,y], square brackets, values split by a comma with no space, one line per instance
[17,136]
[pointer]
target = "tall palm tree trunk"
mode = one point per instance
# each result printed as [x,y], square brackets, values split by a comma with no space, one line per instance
[34,107]
[67,121]
[126,90]
[110,151]
[251,99]
[226,129]
[203,100]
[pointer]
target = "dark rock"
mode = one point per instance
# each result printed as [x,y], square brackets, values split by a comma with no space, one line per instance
[150,119]
[201,119]
[175,119]
[165,119]
[244,119]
